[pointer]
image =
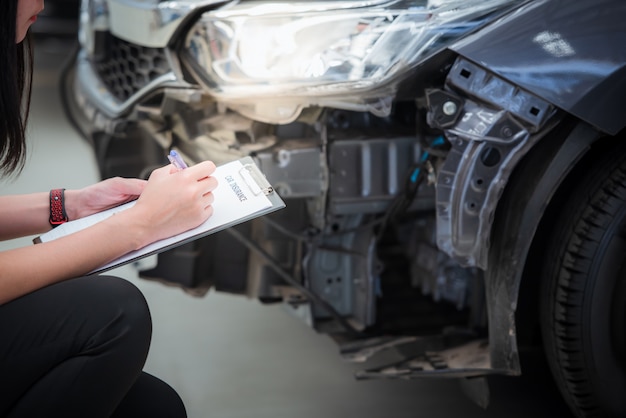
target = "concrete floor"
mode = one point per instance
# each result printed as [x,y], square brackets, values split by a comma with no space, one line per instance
[231,357]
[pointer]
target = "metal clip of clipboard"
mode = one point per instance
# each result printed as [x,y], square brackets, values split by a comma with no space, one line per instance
[255,180]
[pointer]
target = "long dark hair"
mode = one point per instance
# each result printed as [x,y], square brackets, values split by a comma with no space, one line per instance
[15,86]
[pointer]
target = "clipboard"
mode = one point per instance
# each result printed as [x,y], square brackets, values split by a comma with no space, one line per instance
[243,193]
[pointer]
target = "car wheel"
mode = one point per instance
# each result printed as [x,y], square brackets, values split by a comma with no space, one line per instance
[583,310]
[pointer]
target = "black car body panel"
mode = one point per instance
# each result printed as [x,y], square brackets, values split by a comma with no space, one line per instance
[571,56]
[520,214]
[569,53]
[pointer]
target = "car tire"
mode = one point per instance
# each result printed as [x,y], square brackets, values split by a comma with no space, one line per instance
[583,308]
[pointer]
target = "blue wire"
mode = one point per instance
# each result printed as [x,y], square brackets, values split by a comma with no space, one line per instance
[436,142]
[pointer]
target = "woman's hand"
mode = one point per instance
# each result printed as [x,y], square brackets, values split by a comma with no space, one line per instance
[101,196]
[174,201]
[169,203]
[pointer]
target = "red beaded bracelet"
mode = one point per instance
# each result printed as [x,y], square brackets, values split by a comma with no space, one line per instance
[57,207]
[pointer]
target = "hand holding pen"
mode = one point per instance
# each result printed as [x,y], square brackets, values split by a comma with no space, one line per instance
[178,162]
[175,199]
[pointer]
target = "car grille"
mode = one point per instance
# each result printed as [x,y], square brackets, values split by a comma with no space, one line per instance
[128,68]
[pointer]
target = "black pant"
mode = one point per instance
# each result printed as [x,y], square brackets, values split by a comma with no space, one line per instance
[77,349]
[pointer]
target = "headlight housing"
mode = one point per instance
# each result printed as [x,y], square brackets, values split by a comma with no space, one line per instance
[341,53]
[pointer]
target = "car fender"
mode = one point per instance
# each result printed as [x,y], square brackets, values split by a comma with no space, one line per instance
[519,214]
[570,54]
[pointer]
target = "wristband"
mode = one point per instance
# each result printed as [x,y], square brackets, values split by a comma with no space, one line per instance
[57,207]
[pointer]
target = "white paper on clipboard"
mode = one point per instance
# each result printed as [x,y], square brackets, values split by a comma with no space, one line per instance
[242,194]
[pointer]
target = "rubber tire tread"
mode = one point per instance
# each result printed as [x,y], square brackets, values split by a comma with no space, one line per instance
[593,212]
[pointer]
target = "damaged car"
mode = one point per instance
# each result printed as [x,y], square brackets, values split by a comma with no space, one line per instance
[454,171]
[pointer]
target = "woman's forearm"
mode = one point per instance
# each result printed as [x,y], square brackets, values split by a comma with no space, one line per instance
[29,268]
[29,214]
[23,215]
[170,203]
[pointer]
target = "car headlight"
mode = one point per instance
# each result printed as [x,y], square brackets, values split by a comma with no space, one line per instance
[320,52]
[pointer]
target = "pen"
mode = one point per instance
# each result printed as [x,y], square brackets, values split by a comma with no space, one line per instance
[176,160]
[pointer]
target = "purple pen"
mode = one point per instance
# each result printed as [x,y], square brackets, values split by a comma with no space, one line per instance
[176,160]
